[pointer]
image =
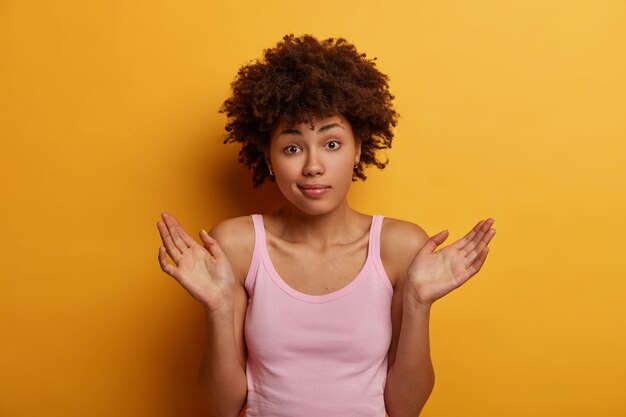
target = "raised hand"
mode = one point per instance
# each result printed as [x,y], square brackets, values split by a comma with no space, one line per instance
[205,274]
[432,275]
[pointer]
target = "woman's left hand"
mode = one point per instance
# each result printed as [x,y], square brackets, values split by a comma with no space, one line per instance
[432,275]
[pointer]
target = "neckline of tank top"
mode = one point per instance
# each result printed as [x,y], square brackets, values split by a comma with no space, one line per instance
[317,298]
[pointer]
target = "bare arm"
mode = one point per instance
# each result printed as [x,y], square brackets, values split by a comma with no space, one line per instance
[206,273]
[221,376]
[430,276]
[410,375]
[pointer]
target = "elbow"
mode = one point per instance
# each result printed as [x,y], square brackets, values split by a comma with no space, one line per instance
[403,401]
[220,405]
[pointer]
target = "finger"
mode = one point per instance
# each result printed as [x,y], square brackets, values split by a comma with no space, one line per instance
[470,235]
[478,248]
[189,241]
[478,263]
[434,241]
[485,240]
[211,245]
[165,266]
[170,247]
[479,232]
[173,226]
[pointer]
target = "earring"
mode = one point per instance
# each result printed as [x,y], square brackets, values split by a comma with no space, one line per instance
[271,172]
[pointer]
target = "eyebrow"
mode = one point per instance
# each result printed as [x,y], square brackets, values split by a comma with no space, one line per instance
[292,131]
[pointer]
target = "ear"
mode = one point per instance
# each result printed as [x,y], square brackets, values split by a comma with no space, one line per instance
[357,145]
[266,156]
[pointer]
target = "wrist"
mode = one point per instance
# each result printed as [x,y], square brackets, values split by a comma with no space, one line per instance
[224,308]
[413,305]
[412,296]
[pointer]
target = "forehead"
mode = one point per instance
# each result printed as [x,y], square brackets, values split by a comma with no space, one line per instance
[314,124]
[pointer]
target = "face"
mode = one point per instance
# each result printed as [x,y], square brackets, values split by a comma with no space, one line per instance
[313,167]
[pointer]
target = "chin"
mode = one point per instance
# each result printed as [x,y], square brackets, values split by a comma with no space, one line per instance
[312,208]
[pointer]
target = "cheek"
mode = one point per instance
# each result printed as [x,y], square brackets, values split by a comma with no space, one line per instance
[286,169]
[342,171]
[345,164]
[286,174]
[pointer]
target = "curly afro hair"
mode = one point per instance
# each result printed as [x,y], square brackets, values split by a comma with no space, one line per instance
[301,78]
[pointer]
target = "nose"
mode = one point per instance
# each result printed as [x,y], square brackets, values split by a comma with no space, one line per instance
[313,165]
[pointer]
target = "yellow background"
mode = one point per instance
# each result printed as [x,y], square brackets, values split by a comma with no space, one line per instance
[509,109]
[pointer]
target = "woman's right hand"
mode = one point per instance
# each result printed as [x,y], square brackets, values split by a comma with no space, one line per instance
[205,274]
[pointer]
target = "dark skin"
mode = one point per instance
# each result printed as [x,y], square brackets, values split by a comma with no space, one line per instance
[206,272]
[320,226]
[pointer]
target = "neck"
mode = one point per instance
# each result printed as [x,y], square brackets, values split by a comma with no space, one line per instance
[339,226]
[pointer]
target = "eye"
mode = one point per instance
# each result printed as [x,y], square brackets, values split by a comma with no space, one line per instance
[291,149]
[333,145]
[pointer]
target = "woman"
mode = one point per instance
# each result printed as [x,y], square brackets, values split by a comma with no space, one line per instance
[316,309]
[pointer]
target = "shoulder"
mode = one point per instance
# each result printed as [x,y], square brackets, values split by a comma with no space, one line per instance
[400,240]
[396,232]
[229,230]
[236,238]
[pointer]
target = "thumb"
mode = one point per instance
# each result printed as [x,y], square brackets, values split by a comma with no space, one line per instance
[211,244]
[435,241]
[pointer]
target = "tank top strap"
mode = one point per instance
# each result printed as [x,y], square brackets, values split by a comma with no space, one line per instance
[374,251]
[259,241]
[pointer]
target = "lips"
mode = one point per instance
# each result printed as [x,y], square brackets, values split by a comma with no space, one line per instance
[313,190]
[313,186]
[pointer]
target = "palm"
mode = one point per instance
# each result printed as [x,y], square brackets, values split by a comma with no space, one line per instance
[196,268]
[205,274]
[434,274]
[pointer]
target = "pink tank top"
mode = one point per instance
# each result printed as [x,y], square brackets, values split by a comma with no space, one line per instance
[317,355]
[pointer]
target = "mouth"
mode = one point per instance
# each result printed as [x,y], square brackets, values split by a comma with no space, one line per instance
[314,190]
